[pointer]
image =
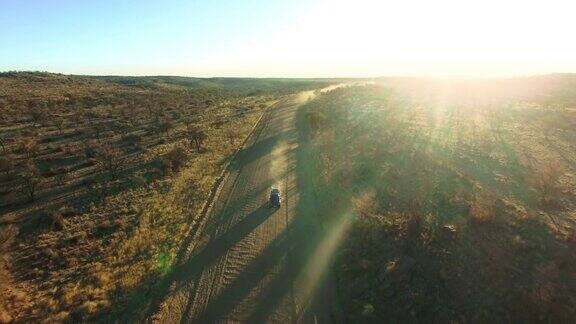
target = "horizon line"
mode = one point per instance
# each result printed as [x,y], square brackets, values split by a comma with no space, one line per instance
[407,76]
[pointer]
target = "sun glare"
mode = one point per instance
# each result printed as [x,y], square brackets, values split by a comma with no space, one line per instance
[417,37]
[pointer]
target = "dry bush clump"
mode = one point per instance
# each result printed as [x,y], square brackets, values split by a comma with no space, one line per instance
[176,158]
[546,181]
[196,136]
[31,180]
[57,220]
[110,158]
[365,204]
[482,208]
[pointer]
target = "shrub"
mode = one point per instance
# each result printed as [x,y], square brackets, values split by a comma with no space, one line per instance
[66,211]
[7,236]
[139,181]
[89,183]
[547,184]
[90,149]
[3,144]
[109,158]
[29,147]
[413,227]
[6,163]
[165,167]
[61,175]
[177,157]
[231,134]
[59,122]
[315,121]
[196,136]
[483,208]
[105,226]
[31,180]
[133,139]
[56,220]
[37,113]
[165,124]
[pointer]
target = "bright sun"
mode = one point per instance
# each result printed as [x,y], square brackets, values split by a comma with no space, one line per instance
[448,37]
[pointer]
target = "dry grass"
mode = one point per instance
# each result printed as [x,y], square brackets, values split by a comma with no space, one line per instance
[103,181]
[483,208]
[7,237]
[492,169]
[546,181]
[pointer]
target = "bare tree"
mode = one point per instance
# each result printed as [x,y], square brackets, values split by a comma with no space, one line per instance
[133,114]
[315,121]
[3,143]
[37,112]
[59,123]
[109,158]
[31,180]
[177,157]
[78,115]
[98,128]
[196,136]
[90,148]
[165,124]
[29,146]
[546,180]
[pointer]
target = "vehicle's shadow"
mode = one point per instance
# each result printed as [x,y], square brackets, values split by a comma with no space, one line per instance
[288,254]
[261,266]
[308,233]
[188,268]
[145,303]
[220,245]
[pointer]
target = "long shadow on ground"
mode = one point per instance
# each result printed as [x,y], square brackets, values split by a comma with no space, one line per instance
[193,268]
[250,277]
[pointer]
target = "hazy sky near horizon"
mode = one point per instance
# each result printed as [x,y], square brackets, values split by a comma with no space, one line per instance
[297,38]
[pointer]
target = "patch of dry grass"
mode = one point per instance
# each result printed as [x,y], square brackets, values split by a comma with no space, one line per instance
[460,198]
[105,180]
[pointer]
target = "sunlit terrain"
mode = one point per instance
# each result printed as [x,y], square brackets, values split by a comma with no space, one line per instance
[463,195]
[304,161]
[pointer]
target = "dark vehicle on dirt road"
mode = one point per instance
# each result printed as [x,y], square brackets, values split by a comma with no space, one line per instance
[275,199]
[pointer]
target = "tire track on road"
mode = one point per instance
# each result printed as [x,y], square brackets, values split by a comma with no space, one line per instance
[247,267]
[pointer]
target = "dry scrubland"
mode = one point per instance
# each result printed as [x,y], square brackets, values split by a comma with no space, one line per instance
[102,178]
[462,197]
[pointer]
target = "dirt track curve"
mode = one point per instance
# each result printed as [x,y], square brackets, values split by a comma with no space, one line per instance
[254,263]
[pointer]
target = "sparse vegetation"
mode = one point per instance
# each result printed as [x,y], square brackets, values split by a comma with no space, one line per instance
[8,234]
[80,163]
[463,200]
[196,136]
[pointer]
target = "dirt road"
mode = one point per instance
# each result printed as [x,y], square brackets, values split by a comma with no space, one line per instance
[255,263]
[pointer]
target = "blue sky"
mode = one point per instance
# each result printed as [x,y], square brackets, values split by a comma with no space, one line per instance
[106,35]
[288,38]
